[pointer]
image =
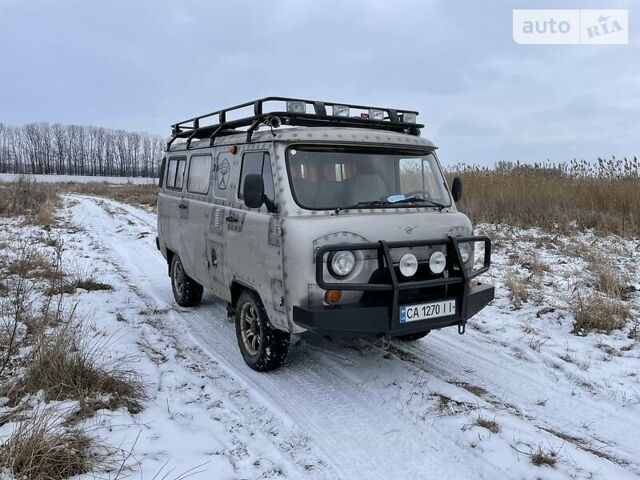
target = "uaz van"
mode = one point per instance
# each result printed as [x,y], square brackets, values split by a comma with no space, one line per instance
[319,216]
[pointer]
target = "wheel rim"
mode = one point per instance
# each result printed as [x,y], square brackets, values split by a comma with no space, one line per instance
[178,277]
[250,328]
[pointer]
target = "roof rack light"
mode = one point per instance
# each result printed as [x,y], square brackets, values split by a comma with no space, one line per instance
[294,106]
[409,117]
[376,114]
[340,110]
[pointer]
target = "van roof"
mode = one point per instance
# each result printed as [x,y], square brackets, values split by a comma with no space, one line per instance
[293,112]
[313,135]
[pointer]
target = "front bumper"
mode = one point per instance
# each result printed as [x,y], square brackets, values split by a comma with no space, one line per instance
[374,318]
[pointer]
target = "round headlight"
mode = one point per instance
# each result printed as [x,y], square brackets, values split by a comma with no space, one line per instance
[466,251]
[341,263]
[408,265]
[437,262]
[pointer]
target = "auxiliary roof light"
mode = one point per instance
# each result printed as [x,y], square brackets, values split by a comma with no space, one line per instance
[296,107]
[375,114]
[409,117]
[340,111]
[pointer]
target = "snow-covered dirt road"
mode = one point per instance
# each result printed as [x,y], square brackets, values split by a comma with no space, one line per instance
[355,409]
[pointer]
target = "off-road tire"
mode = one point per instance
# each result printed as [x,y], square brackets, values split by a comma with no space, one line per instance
[186,291]
[413,336]
[263,347]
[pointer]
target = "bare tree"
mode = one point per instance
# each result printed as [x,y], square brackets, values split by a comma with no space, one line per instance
[78,150]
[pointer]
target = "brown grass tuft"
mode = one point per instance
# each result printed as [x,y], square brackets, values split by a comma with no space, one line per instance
[490,425]
[89,284]
[39,449]
[517,289]
[608,279]
[32,264]
[66,365]
[599,313]
[543,456]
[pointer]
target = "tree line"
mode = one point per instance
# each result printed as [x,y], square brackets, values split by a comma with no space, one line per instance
[42,148]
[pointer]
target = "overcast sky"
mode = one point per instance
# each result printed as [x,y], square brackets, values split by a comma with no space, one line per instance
[143,64]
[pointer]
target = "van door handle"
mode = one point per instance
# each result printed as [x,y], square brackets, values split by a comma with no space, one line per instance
[232,219]
[182,206]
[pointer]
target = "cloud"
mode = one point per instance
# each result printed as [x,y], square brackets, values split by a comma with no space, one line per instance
[143,65]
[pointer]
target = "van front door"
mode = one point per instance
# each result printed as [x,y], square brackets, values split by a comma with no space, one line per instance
[251,235]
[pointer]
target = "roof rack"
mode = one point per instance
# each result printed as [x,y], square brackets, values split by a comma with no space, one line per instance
[295,112]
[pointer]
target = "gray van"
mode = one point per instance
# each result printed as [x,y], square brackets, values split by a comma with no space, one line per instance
[307,215]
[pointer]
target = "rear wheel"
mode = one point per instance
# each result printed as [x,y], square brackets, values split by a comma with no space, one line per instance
[263,347]
[413,336]
[186,290]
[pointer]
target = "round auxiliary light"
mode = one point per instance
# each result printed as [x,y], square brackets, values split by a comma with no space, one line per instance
[466,251]
[341,263]
[437,262]
[408,265]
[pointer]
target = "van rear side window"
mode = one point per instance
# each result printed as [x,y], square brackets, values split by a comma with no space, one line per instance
[175,172]
[199,172]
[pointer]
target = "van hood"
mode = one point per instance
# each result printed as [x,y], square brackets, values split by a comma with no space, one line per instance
[372,227]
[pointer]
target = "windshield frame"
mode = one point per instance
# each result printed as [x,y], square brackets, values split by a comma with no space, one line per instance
[418,151]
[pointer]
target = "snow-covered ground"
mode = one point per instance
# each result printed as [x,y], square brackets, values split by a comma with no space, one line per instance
[358,409]
[12,177]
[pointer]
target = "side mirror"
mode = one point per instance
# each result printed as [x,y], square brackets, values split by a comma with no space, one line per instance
[456,189]
[253,190]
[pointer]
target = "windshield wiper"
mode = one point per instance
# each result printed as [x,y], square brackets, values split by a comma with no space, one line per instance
[420,200]
[387,204]
[368,204]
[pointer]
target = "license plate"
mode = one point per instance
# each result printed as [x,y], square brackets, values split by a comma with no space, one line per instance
[425,311]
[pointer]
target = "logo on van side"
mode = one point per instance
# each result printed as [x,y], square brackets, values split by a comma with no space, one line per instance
[223,174]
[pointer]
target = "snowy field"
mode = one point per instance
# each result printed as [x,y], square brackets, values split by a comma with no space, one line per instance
[449,406]
[12,177]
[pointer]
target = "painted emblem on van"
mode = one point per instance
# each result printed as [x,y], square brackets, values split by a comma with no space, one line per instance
[223,174]
[408,230]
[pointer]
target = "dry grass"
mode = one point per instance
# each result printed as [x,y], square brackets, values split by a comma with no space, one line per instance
[609,280]
[554,197]
[544,456]
[517,287]
[36,201]
[34,265]
[136,195]
[39,449]
[89,284]
[67,364]
[599,313]
[490,425]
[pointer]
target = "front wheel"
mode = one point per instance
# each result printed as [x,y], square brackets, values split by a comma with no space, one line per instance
[263,347]
[186,290]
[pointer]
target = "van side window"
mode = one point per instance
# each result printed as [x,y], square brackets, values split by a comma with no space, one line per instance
[175,172]
[182,163]
[199,172]
[163,166]
[260,163]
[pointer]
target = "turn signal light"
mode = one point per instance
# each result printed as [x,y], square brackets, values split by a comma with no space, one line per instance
[332,296]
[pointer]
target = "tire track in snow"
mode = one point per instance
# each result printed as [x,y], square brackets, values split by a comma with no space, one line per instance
[332,395]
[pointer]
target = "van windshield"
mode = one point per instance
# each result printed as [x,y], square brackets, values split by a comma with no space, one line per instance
[346,177]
